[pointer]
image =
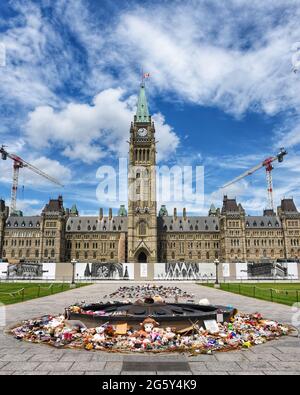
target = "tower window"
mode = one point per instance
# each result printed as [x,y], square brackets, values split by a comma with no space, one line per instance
[142,228]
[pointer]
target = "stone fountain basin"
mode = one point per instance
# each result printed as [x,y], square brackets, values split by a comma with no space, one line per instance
[179,315]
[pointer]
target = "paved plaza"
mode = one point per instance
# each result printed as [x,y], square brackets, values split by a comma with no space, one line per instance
[274,358]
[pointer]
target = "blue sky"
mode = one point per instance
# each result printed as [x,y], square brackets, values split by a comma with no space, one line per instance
[222,92]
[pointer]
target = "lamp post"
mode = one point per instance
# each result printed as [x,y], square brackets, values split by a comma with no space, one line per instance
[73,262]
[217,263]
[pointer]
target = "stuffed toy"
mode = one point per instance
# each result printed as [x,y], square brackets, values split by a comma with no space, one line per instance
[147,327]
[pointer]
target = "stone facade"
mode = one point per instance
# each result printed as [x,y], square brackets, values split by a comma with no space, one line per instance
[143,235]
[228,235]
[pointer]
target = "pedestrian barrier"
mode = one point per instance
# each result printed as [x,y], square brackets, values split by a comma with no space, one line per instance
[284,296]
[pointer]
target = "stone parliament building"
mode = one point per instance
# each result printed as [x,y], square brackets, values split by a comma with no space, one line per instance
[142,234]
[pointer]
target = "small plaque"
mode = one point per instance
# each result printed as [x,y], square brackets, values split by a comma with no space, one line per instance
[220,318]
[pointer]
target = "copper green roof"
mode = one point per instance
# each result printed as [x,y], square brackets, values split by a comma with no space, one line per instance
[163,211]
[142,113]
[122,211]
[74,210]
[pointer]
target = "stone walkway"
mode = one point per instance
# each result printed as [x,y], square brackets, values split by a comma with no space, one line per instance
[274,358]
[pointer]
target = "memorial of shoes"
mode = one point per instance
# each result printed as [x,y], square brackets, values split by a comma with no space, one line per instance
[151,324]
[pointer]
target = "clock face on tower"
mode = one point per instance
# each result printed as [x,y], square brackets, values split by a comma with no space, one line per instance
[142,132]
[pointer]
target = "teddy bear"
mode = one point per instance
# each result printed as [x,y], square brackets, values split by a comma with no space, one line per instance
[99,336]
[147,327]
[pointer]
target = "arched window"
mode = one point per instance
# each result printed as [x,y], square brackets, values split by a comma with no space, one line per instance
[52,253]
[112,255]
[142,228]
[173,255]
[207,256]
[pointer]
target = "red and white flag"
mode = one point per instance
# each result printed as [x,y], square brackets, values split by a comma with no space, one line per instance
[146,75]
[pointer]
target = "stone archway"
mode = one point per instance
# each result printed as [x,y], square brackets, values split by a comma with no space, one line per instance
[142,257]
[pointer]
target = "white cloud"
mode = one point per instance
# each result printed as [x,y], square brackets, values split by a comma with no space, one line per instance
[89,131]
[51,167]
[168,140]
[202,55]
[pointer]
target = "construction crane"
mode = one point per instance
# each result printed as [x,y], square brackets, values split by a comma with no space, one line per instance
[268,165]
[19,163]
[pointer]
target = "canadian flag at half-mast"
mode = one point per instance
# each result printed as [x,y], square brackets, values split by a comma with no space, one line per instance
[146,75]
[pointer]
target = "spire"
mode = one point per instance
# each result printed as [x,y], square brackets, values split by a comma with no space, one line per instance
[74,212]
[142,114]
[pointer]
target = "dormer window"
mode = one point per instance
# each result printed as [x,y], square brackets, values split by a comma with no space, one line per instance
[16,224]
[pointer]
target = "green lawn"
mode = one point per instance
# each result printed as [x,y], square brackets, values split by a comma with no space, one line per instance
[18,292]
[280,292]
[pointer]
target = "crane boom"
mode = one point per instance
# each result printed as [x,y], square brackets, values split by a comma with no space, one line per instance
[247,173]
[41,173]
[19,163]
[268,165]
